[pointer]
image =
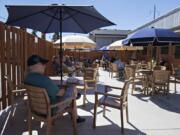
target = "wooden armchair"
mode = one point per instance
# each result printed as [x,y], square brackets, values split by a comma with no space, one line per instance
[114,101]
[130,72]
[174,78]
[160,81]
[113,69]
[90,81]
[15,91]
[41,109]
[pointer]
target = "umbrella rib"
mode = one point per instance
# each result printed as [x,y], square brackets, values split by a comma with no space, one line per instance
[92,15]
[76,21]
[59,18]
[23,17]
[51,20]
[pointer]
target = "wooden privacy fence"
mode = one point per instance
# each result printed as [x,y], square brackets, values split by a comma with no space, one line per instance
[16,45]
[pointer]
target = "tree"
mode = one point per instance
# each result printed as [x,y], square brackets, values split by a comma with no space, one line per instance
[34,32]
[55,37]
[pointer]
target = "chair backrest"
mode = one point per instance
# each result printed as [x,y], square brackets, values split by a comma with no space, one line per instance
[114,67]
[38,100]
[129,71]
[90,73]
[124,93]
[161,75]
[95,65]
[149,65]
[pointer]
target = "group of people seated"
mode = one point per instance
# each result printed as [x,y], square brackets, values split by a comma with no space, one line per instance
[67,65]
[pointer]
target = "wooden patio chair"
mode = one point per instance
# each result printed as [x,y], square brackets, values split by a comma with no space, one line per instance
[130,72]
[90,82]
[174,78]
[160,81]
[41,109]
[113,69]
[17,91]
[119,101]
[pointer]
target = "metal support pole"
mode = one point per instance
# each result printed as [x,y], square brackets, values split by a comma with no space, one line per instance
[61,51]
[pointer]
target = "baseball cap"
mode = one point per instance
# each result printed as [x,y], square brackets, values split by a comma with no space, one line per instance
[34,59]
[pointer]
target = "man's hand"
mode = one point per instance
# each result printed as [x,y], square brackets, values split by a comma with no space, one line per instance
[61,92]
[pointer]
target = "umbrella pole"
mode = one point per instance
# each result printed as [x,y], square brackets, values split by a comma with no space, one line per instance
[61,51]
[79,54]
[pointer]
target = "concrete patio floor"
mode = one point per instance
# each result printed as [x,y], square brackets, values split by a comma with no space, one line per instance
[157,115]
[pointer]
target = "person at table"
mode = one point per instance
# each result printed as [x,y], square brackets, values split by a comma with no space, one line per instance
[120,66]
[36,77]
[119,63]
[56,65]
[68,61]
[67,67]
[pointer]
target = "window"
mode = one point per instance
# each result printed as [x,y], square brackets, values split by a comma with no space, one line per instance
[164,50]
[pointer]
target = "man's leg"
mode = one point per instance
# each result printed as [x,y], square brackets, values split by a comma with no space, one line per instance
[72,91]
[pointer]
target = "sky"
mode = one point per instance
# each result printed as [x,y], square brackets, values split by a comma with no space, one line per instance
[126,14]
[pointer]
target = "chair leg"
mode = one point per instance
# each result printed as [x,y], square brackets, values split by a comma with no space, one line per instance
[175,85]
[95,111]
[84,98]
[13,107]
[104,110]
[49,126]
[30,123]
[133,87]
[73,112]
[122,122]
[153,90]
[127,114]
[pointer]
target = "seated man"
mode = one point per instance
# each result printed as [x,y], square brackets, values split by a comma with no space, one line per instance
[37,78]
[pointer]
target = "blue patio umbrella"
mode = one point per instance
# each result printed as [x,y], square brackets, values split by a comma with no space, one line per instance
[56,18]
[154,36]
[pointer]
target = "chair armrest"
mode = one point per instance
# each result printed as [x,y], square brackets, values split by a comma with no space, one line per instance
[107,86]
[108,94]
[62,102]
[89,81]
[20,90]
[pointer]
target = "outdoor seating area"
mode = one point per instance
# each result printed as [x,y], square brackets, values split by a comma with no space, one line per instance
[146,114]
[99,82]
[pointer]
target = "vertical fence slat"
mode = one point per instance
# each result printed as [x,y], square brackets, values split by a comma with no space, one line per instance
[4,103]
[8,59]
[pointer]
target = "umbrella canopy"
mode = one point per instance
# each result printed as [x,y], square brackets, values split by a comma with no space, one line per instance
[155,36]
[117,45]
[81,19]
[76,42]
[56,18]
